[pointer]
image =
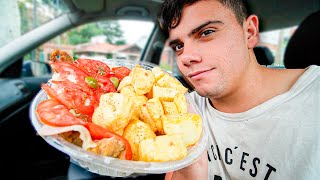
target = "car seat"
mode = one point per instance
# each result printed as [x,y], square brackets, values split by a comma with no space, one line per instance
[303,47]
[264,55]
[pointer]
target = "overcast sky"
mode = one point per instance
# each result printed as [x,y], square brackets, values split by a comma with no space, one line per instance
[134,30]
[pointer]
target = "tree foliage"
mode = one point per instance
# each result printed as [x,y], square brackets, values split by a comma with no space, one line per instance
[110,29]
[113,32]
[81,34]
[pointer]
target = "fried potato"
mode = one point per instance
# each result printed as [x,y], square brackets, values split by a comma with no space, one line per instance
[146,117]
[135,70]
[164,94]
[170,82]
[142,80]
[128,91]
[135,132]
[154,107]
[189,126]
[169,107]
[162,148]
[155,110]
[181,103]
[114,111]
[138,101]
[149,95]
[158,73]
[126,81]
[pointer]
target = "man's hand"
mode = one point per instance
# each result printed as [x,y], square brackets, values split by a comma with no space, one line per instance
[197,170]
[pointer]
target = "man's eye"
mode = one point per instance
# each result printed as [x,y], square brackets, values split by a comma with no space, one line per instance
[207,32]
[177,47]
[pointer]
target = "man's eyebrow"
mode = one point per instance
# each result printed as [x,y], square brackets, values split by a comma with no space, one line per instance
[196,30]
[174,42]
[203,25]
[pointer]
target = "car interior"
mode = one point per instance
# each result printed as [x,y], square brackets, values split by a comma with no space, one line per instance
[26,155]
[301,49]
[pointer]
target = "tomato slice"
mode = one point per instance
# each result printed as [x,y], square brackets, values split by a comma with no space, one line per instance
[121,72]
[53,113]
[97,132]
[68,71]
[108,86]
[94,68]
[72,96]
[103,89]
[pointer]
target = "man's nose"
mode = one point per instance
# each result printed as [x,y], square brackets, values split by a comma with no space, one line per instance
[190,56]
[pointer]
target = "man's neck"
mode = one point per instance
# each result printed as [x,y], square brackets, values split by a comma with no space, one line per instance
[265,84]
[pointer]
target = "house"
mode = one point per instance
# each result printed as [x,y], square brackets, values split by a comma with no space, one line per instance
[105,50]
[95,50]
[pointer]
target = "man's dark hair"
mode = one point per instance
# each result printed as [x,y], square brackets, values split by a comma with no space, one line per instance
[170,13]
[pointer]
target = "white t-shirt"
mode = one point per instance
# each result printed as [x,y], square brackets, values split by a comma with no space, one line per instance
[279,139]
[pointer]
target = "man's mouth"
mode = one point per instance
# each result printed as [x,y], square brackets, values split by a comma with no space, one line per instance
[198,74]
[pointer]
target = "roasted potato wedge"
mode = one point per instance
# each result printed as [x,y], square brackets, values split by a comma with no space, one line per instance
[127,91]
[169,107]
[189,126]
[138,101]
[162,148]
[114,111]
[181,103]
[155,110]
[126,81]
[158,72]
[135,132]
[142,80]
[146,117]
[164,94]
[170,82]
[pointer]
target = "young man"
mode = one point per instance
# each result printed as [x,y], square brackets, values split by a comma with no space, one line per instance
[263,123]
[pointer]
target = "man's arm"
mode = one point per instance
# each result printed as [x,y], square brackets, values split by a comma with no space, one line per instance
[197,170]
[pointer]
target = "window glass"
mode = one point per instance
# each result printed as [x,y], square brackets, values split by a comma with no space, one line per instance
[119,39]
[21,16]
[168,60]
[277,41]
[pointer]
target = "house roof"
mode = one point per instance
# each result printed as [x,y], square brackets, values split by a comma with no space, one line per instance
[100,47]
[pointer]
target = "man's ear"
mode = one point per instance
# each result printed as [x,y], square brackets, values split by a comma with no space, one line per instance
[252,29]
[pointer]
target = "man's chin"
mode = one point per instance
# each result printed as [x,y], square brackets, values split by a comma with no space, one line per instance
[202,93]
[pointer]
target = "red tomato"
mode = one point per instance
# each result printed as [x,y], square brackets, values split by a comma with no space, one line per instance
[72,96]
[97,132]
[53,113]
[104,88]
[94,68]
[68,71]
[121,72]
[108,87]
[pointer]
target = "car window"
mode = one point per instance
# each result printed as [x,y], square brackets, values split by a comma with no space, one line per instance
[116,39]
[21,16]
[275,40]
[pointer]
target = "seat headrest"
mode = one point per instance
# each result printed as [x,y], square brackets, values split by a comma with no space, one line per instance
[303,47]
[264,55]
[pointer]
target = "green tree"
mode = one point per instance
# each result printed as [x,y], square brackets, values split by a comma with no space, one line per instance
[113,32]
[83,34]
[26,24]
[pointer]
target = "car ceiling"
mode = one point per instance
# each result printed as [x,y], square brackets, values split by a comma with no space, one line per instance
[273,14]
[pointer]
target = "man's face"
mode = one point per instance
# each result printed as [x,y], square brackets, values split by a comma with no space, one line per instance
[211,48]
